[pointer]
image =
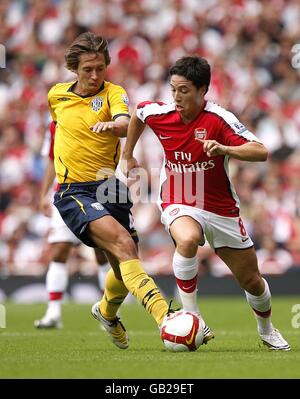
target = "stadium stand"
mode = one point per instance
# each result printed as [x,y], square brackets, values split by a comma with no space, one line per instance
[251,47]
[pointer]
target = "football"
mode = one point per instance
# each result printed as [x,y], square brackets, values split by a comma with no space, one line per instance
[182,331]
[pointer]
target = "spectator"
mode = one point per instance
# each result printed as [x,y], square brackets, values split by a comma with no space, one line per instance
[248,43]
[272,259]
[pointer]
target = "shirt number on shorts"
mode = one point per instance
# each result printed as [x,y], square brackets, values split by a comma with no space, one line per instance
[242,228]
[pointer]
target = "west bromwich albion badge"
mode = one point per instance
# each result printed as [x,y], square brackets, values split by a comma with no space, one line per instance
[97,103]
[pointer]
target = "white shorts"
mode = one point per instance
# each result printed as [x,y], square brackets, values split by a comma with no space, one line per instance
[219,231]
[59,231]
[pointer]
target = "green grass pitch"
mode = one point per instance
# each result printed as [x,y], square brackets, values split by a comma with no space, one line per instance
[82,350]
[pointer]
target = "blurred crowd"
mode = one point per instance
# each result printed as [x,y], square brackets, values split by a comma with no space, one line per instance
[251,46]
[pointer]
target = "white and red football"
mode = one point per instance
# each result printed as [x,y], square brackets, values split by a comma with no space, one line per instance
[182,331]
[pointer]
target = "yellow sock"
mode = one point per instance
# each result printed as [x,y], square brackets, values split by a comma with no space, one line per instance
[144,289]
[114,294]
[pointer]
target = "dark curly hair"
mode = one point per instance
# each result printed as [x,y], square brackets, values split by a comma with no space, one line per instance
[193,68]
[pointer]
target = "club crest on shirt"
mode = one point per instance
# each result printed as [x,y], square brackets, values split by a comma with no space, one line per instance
[125,99]
[97,206]
[200,133]
[174,212]
[97,103]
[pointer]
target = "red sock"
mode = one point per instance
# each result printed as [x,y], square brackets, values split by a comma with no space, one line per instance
[55,296]
[187,285]
[263,314]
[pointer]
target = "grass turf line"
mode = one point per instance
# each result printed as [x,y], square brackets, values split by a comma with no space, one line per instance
[82,350]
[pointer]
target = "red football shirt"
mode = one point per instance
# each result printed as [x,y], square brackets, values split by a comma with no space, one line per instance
[48,144]
[52,134]
[188,175]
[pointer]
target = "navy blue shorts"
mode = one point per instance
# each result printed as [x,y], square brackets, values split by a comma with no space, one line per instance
[81,203]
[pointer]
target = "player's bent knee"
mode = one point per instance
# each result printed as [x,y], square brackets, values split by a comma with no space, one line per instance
[60,251]
[187,244]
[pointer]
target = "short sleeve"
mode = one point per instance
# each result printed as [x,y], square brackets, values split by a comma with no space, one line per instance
[233,132]
[118,102]
[149,108]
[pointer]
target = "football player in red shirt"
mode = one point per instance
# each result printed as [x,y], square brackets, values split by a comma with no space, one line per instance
[197,199]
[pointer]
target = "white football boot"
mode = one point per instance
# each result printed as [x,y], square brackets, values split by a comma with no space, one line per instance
[48,322]
[275,341]
[114,328]
[208,334]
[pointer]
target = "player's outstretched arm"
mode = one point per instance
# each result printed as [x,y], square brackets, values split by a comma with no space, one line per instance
[252,151]
[118,127]
[135,129]
[46,184]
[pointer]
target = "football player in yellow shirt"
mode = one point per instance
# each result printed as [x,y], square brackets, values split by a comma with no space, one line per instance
[91,114]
